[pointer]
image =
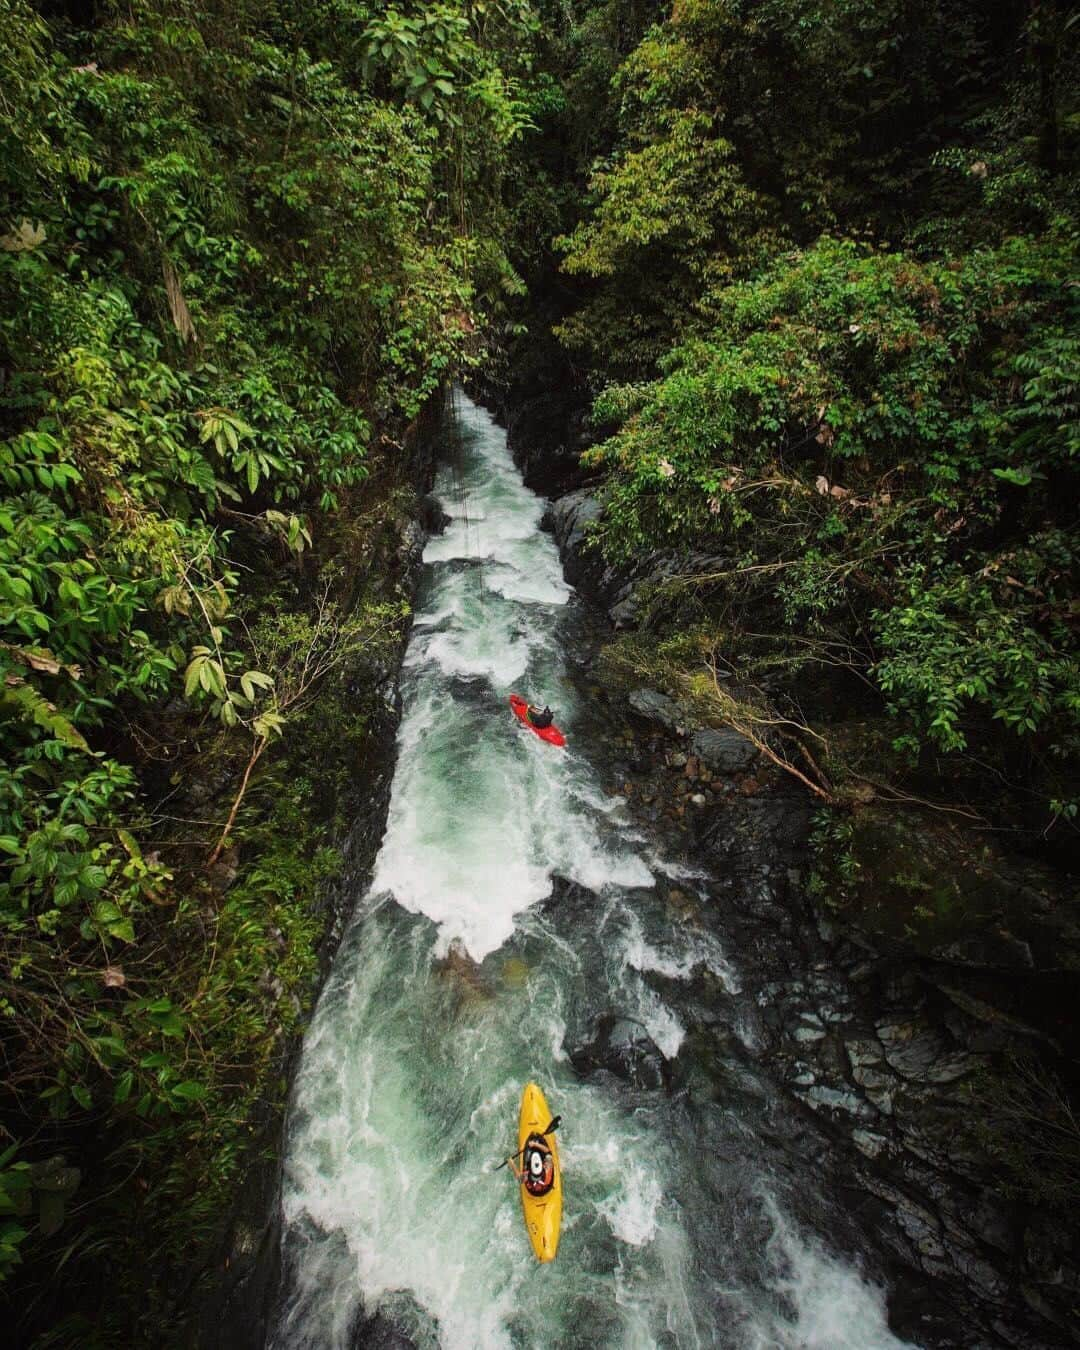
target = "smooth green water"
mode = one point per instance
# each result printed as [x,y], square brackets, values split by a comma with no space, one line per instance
[456,984]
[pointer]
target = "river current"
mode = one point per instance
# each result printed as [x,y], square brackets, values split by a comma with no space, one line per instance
[461,977]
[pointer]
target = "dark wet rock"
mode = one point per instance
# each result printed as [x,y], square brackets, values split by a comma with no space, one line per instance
[378,1333]
[928,888]
[1000,949]
[874,1079]
[869,1143]
[460,970]
[410,547]
[724,750]
[224,872]
[624,613]
[546,436]
[864,1053]
[567,897]
[209,779]
[920,1053]
[623,591]
[623,1047]
[569,518]
[820,1097]
[656,707]
[981,1026]
[432,516]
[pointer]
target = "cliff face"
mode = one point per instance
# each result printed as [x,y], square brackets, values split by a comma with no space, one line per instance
[910,985]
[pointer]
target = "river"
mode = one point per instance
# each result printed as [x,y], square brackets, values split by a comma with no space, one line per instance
[515,906]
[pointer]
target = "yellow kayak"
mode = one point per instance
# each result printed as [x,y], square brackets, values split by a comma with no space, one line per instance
[543,1213]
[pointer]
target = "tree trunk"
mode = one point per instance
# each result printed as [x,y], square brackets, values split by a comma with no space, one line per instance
[1043,29]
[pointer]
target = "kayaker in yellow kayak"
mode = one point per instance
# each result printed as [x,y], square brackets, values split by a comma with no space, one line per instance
[539,1174]
[537,1170]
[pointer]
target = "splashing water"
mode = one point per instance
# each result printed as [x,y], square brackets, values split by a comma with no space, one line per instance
[456,984]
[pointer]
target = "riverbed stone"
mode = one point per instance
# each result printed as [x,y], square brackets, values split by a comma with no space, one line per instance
[432,516]
[569,517]
[623,1047]
[869,1077]
[378,1333]
[881,1098]
[655,707]
[723,749]
[861,1052]
[869,1143]
[625,613]
[922,1054]
[833,1099]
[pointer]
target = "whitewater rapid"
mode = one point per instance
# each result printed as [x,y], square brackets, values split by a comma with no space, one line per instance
[458,980]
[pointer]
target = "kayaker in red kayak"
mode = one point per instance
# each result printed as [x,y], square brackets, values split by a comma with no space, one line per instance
[538,720]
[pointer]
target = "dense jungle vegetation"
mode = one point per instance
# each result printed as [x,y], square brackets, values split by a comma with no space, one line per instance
[813,263]
[820,279]
[241,247]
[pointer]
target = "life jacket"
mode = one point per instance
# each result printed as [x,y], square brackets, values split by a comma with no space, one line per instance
[538,1166]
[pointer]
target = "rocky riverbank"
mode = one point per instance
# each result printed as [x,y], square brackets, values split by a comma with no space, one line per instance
[911,986]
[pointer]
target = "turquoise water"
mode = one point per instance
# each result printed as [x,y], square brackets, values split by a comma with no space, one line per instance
[461,978]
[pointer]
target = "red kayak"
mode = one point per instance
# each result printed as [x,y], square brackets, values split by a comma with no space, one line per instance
[520,708]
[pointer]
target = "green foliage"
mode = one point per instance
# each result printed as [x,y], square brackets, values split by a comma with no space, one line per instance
[240,250]
[874,436]
[724,150]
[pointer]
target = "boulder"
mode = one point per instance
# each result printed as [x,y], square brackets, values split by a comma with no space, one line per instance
[624,1048]
[432,516]
[656,707]
[723,750]
[869,1143]
[378,1333]
[568,517]
[919,1053]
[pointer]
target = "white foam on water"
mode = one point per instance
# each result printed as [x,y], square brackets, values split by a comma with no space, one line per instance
[482,816]
[659,1021]
[676,871]
[687,950]
[632,1210]
[482,813]
[370,1163]
[824,1303]
[541,585]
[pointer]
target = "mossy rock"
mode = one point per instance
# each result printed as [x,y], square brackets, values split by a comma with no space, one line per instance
[950,893]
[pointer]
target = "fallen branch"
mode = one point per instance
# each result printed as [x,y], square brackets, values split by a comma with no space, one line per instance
[256,754]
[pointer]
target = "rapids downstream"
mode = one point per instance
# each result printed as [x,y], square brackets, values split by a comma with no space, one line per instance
[514,906]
